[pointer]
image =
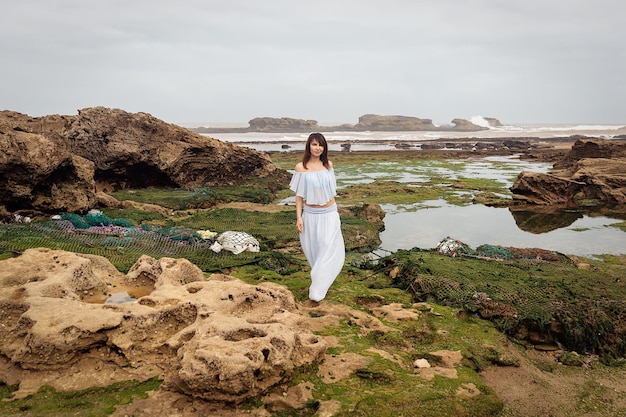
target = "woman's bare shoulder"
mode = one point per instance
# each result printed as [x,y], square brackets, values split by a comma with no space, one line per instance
[330,164]
[300,167]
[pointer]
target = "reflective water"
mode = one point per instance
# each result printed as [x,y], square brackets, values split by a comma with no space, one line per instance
[503,169]
[569,232]
[424,224]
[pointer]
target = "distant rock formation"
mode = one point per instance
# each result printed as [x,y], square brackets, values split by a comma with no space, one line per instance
[284,124]
[368,122]
[594,171]
[60,163]
[493,122]
[373,122]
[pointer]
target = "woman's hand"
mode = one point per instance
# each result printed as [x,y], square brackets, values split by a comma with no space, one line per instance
[300,225]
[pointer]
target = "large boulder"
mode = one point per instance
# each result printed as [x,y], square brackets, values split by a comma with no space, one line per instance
[593,171]
[59,163]
[137,150]
[62,323]
[544,189]
[592,149]
[39,171]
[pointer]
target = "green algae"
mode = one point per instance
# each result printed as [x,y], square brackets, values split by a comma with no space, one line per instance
[255,190]
[92,402]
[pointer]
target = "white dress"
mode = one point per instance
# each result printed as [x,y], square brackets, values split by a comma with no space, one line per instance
[321,239]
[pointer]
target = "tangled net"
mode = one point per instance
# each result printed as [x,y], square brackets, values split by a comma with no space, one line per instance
[522,291]
[123,243]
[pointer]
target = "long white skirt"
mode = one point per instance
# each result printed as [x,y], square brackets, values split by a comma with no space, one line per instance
[323,247]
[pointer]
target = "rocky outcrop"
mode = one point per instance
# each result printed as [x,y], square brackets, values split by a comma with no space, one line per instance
[283,124]
[493,122]
[375,122]
[463,125]
[56,163]
[590,150]
[368,122]
[594,171]
[63,323]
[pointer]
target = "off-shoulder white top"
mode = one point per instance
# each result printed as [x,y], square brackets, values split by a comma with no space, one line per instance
[315,187]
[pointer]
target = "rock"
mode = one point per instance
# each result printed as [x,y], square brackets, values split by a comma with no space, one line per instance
[39,172]
[591,149]
[367,122]
[594,170]
[283,124]
[294,398]
[337,367]
[394,313]
[604,179]
[448,361]
[517,144]
[466,126]
[60,163]
[375,122]
[218,339]
[544,189]
[371,212]
[467,390]
[421,363]
[138,150]
[493,122]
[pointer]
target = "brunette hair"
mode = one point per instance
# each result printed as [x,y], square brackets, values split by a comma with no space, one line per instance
[319,138]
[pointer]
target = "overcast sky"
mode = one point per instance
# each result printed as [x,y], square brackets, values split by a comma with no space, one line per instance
[228,61]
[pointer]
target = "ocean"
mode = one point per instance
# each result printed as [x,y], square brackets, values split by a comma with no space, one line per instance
[388,140]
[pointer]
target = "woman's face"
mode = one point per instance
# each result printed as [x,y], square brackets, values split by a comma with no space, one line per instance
[316,148]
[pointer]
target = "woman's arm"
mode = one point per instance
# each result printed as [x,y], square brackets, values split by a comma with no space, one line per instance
[299,222]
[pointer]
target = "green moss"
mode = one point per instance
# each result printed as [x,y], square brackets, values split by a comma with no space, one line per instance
[621,225]
[175,199]
[526,294]
[97,401]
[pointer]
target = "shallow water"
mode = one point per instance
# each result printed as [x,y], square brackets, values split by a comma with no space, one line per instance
[503,169]
[476,224]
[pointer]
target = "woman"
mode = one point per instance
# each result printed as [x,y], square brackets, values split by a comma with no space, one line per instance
[317,218]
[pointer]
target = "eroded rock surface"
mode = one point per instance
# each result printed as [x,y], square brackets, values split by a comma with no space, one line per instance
[218,339]
[593,170]
[59,163]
